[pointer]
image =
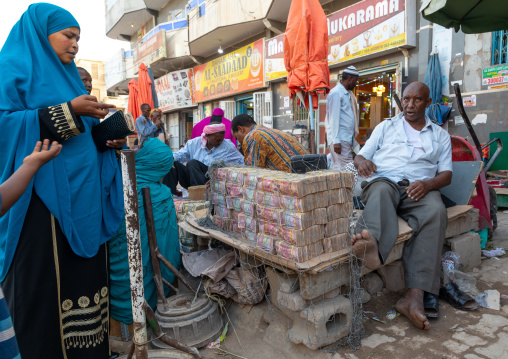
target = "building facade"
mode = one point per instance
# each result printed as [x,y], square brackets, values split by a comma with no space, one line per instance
[229,54]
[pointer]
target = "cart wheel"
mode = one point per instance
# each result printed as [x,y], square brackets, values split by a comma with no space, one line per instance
[493,209]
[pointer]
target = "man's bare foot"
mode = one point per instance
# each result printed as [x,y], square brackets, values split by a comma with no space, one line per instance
[411,306]
[365,247]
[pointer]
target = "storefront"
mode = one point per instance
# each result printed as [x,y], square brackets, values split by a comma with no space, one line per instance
[230,82]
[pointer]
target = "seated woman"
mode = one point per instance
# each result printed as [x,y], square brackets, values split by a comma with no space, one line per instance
[153,160]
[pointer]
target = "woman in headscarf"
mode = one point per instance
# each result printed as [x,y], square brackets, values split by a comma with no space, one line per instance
[53,263]
[153,160]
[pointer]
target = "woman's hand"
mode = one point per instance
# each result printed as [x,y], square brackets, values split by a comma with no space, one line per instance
[116,143]
[86,105]
[39,156]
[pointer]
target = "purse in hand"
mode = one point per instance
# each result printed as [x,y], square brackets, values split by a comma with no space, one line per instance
[118,125]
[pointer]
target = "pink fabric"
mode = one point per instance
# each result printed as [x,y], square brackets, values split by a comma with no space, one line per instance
[199,127]
[218,112]
[210,129]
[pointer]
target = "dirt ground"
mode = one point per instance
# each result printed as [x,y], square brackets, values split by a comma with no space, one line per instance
[456,334]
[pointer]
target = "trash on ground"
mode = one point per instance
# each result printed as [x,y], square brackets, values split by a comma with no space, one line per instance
[220,339]
[450,262]
[490,299]
[391,314]
[494,252]
[378,320]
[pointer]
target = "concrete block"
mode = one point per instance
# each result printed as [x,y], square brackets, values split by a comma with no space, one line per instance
[468,247]
[372,283]
[272,297]
[463,224]
[364,296]
[323,323]
[316,285]
[291,301]
[393,276]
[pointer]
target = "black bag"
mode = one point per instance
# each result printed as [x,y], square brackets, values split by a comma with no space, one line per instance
[308,163]
[114,127]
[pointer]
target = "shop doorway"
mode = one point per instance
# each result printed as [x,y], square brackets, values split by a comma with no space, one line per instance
[245,104]
[186,125]
[374,93]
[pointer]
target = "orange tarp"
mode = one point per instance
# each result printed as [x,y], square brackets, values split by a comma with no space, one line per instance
[306,49]
[145,86]
[134,102]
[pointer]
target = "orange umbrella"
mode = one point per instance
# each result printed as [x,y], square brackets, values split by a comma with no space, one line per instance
[134,101]
[145,85]
[306,49]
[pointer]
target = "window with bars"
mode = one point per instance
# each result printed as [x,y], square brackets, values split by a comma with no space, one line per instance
[499,47]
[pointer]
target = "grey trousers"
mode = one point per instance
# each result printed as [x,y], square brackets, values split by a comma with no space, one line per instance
[384,200]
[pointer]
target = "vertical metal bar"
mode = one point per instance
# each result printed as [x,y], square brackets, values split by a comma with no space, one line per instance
[130,195]
[154,248]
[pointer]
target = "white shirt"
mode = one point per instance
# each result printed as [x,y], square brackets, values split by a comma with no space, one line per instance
[193,150]
[413,139]
[340,117]
[391,152]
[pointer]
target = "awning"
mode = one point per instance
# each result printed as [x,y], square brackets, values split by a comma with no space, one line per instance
[473,16]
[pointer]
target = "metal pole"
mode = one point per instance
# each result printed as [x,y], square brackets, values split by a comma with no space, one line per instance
[130,195]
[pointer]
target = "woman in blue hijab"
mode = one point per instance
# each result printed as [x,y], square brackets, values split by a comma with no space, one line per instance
[53,261]
[153,161]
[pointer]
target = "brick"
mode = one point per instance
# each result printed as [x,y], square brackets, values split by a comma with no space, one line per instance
[468,247]
[291,301]
[463,224]
[315,285]
[393,276]
[322,324]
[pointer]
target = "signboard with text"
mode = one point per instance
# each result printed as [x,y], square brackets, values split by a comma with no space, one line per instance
[236,72]
[175,90]
[497,75]
[365,28]
[150,51]
[274,58]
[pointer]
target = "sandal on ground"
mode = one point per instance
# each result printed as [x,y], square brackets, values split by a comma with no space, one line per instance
[431,305]
[457,298]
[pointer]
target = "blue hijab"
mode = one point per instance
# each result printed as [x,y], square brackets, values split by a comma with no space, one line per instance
[82,188]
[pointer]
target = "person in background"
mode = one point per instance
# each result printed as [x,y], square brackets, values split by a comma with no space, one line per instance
[10,191]
[342,119]
[406,161]
[144,125]
[265,147]
[86,78]
[156,117]
[53,262]
[199,153]
[154,159]
[217,116]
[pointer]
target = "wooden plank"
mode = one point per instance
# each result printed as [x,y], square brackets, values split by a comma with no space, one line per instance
[502,191]
[498,174]
[193,230]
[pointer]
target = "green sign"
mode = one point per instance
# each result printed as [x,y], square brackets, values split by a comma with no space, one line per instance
[495,75]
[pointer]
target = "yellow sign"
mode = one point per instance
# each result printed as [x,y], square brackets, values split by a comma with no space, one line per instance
[236,72]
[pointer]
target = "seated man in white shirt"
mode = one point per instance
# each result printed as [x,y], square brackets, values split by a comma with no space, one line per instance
[199,153]
[406,160]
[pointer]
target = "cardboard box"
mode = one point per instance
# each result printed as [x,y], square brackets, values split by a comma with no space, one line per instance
[197,193]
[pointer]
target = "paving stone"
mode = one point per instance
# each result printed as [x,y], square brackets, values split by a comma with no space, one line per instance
[372,283]
[393,276]
[323,323]
[468,247]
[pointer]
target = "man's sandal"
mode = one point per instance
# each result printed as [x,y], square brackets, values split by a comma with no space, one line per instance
[457,298]
[431,305]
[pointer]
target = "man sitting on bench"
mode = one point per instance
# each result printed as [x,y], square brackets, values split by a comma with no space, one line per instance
[406,160]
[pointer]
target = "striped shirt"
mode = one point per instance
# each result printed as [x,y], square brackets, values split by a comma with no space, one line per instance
[8,344]
[269,148]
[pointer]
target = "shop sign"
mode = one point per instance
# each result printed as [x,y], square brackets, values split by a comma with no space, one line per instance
[365,28]
[274,60]
[495,75]
[151,50]
[175,90]
[233,73]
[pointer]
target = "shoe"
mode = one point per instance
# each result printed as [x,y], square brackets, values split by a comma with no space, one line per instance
[431,305]
[457,298]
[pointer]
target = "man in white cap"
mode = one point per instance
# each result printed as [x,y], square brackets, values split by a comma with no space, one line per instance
[342,119]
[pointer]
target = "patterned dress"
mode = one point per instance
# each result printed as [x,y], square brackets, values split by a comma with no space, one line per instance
[269,148]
